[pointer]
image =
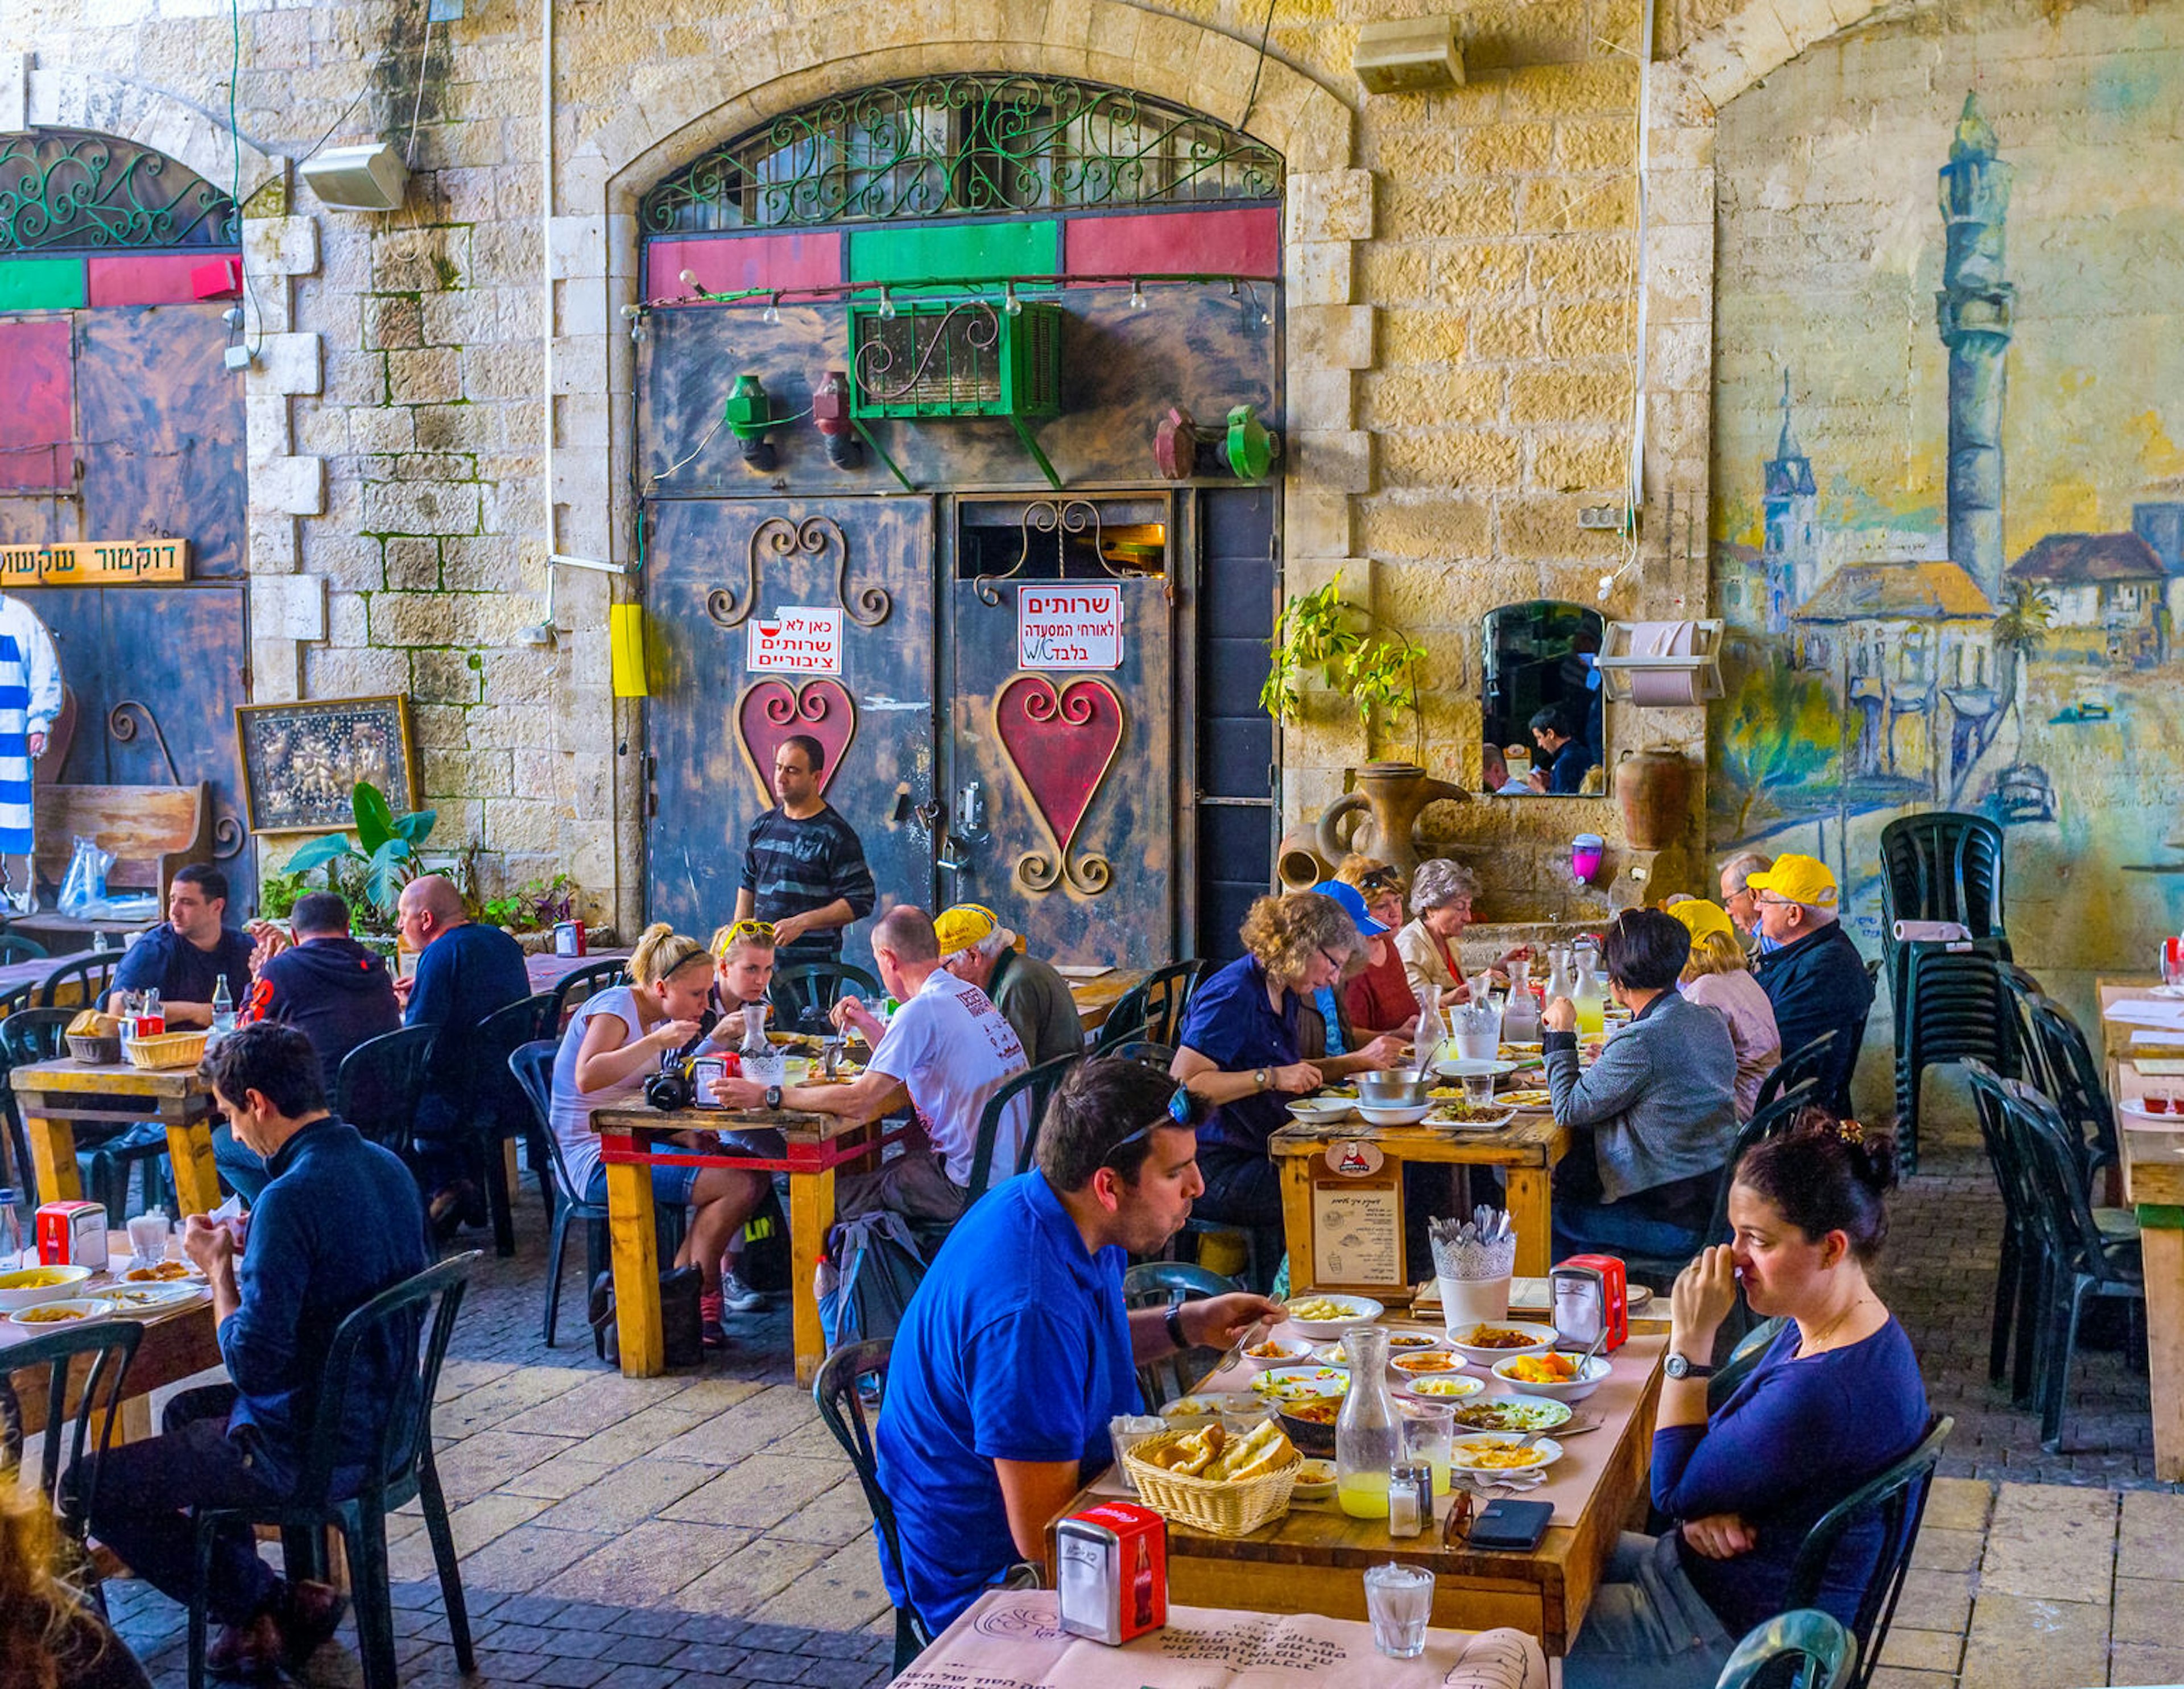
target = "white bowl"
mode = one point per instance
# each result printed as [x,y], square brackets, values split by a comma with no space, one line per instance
[14,1293]
[1315,1481]
[1414,1342]
[1291,1351]
[80,1308]
[1357,1311]
[1528,1413]
[1463,1451]
[1542,1338]
[1594,1375]
[1441,1388]
[1473,1068]
[1313,1111]
[1429,1363]
[1300,1384]
[1403,1114]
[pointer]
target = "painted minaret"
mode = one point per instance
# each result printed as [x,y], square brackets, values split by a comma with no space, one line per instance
[1974,308]
[1791,558]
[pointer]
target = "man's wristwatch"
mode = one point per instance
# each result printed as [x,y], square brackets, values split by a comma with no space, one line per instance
[1677,1367]
[1175,1328]
[774,1096]
[1262,1079]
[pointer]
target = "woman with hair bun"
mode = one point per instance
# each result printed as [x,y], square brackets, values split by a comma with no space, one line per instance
[1836,1400]
[613,1045]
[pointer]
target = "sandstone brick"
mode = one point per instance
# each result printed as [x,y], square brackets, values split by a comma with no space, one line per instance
[431,374]
[445,618]
[1546,527]
[1564,396]
[1387,274]
[412,565]
[1322,399]
[381,427]
[1556,206]
[1318,272]
[1586,88]
[322,431]
[489,562]
[287,607]
[272,547]
[1335,205]
[1341,458]
[1475,459]
[1411,398]
[419,507]
[1480,269]
[276,671]
[294,485]
[1594,328]
[287,364]
[354,673]
[345,560]
[1338,337]
[1573,463]
[1435,336]
[1420,212]
[1596,143]
[1442,528]
[1316,524]
[392,320]
[1511,331]
[466,773]
[1581,265]
[447,676]
[1503,148]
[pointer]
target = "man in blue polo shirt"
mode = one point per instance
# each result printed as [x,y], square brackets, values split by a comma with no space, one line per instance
[1017,1350]
[186,957]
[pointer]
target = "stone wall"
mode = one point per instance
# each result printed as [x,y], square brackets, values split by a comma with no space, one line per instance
[1461,295]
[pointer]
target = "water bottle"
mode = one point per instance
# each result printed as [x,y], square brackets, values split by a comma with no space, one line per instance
[223,1009]
[11,1231]
[100,942]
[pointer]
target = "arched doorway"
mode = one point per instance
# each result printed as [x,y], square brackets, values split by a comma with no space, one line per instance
[125,424]
[1035,643]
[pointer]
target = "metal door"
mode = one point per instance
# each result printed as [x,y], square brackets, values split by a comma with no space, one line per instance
[716,568]
[1060,791]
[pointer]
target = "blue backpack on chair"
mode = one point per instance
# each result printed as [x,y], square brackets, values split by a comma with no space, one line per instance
[864,1287]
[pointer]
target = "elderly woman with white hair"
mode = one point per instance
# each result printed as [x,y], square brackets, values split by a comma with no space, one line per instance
[1032,998]
[1442,893]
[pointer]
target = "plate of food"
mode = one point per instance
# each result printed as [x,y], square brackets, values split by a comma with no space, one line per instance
[1210,1405]
[1431,1363]
[1489,1343]
[66,1312]
[1311,1423]
[1300,1384]
[1399,1343]
[1520,1049]
[1556,1376]
[162,1272]
[1502,1451]
[1326,1317]
[30,1285]
[148,1301]
[1442,1386]
[1513,1413]
[1315,1481]
[1470,1117]
[1318,1111]
[1537,1097]
[1279,1352]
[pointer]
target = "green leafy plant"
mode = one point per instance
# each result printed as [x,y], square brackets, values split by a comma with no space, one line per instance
[380,861]
[535,906]
[277,894]
[1378,667]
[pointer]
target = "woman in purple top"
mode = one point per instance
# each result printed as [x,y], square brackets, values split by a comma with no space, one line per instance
[1836,1400]
[1718,976]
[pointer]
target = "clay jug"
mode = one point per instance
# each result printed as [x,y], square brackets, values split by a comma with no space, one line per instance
[1389,796]
[1654,789]
[1298,865]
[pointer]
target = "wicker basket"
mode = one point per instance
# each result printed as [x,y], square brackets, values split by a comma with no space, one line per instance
[1209,1504]
[95,1049]
[168,1050]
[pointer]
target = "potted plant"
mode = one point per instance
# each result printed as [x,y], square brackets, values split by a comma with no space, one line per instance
[1354,653]
[369,871]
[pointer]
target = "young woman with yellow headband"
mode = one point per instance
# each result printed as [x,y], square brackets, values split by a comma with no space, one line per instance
[1718,976]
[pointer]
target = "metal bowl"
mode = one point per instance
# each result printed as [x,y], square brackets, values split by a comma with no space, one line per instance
[1397,1088]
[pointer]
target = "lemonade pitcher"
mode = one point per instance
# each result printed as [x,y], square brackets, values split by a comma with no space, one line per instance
[1368,1437]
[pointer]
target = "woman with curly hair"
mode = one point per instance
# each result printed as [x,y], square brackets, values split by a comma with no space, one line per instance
[1239,1053]
[48,1638]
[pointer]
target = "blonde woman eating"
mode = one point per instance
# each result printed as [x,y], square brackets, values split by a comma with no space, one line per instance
[1718,976]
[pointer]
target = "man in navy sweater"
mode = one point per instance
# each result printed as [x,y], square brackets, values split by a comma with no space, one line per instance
[1814,976]
[466,971]
[338,1223]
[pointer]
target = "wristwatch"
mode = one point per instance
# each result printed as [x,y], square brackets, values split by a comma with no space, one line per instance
[1677,1367]
[1262,1079]
[774,1096]
[1175,1328]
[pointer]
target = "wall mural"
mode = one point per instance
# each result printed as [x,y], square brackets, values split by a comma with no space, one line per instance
[1948,531]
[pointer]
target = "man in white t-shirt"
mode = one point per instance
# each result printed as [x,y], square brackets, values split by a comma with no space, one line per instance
[947,1049]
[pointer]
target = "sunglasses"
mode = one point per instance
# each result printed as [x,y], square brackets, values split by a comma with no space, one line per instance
[747,929]
[1460,1508]
[1184,1110]
[1381,879]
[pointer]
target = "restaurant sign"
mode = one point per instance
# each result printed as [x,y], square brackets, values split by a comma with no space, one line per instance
[95,563]
[795,641]
[1060,626]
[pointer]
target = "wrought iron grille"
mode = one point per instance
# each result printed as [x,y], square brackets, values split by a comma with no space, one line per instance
[936,359]
[64,188]
[963,145]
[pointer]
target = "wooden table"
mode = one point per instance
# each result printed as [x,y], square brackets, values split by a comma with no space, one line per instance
[815,1146]
[55,1095]
[1312,1560]
[1526,1149]
[547,970]
[2153,1184]
[1096,998]
[1013,1639]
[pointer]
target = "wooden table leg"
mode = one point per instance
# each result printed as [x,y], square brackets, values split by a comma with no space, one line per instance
[636,1271]
[53,1157]
[1296,1218]
[1531,1190]
[2162,1248]
[810,1217]
[189,1156]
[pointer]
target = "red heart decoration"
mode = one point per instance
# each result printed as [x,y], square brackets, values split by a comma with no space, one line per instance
[1062,745]
[771,710]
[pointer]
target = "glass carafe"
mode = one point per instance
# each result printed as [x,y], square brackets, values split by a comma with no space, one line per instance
[1368,1437]
[1561,982]
[1589,992]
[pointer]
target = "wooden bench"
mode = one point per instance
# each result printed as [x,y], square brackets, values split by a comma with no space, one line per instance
[152,831]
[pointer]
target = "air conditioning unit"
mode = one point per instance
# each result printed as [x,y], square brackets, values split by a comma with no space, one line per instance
[367,178]
[933,359]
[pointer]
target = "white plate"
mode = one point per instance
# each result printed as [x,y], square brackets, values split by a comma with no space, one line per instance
[1432,1364]
[1441,1121]
[1315,1481]
[1547,1448]
[1301,1384]
[2144,1121]
[1441,1388]
[1473,1068]
[123,1275]
[148,1301]
[1546,1415]
[1543,1338]
[85,1307]
[1205,1405]
[1357,1311]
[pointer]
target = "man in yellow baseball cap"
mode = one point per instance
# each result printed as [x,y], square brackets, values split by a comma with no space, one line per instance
[1816,979]
[1032,998]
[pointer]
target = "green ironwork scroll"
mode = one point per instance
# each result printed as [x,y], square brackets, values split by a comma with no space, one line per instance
[963,145]
[67,189]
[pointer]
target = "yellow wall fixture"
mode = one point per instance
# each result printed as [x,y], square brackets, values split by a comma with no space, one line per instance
[626,629]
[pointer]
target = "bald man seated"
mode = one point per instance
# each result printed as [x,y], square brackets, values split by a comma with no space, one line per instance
[465,970]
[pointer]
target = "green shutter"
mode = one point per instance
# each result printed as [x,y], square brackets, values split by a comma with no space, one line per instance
[955,251]
[42,284]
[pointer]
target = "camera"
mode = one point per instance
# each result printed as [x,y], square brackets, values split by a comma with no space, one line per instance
[670,1089]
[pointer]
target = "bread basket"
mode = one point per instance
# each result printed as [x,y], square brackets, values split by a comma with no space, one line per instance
[95,1049]
[1217,1507]
[167,1050]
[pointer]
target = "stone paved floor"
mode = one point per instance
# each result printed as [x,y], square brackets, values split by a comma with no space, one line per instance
[703,1531]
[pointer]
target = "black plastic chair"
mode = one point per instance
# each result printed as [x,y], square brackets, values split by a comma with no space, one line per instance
[427,1306]
[848,1378]
[1807,1649]
[15,947]
[579,982]
[1944,865]
[1040,1082]
[1742,1358]
[1764,1123]
[1809,1061]
[26,1035]
[1152,1009]
[1143,1051]
[2021,1268]
[1952,1006]
[1168,1284]
[804,993]
[1897,1499]
[97,1354]
[380,1081]
[93,971]
[495,1105]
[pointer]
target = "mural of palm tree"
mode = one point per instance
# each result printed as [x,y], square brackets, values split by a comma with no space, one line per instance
[2019,630]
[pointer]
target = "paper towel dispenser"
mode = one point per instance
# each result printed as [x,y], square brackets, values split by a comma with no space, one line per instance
[1661,664]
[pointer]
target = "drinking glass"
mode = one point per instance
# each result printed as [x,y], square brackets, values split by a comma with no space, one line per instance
[1478,1090]
[1399,1599]
[1429,1434]
[147,1238]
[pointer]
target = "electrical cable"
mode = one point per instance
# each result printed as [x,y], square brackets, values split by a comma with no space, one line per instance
[417,106]
[1252,99]
[685,462]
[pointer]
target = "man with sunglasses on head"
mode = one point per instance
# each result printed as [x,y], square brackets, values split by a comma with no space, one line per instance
[1814,976]
[1017,1350]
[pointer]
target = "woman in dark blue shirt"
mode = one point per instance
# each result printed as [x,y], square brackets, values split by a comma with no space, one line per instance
[1836,1400]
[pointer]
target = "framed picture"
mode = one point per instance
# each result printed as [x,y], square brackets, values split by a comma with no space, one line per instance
[301,762]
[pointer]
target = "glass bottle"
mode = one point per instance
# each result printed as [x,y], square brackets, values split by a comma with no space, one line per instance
[223,1008]
[1368,1438]
[1561,983]
[11,1231]
[1589,993]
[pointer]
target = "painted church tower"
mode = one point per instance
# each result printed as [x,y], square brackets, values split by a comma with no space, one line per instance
[1973,309]
[1790,555]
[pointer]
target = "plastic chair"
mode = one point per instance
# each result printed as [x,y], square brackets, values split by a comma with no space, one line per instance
[15,947]
[1897,1499]
[1142,1050]
[2021,1267]
[1805,1649]
[804,993]
[1810,1062]
[1952,1006]
[93,971]
[26,1035]
[1944,865]
[1749,1347]
[1040,1082]
[1152,1009]
[853,1374]
[426,1304]
[97,1354]
[579,982]
[1168,1284]
[379,1084]
[495,1105]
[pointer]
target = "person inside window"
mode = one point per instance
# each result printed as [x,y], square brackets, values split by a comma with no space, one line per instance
[1836,1400]
[1567,758]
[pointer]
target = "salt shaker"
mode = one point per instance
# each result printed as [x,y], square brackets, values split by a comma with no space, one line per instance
[1410,1498]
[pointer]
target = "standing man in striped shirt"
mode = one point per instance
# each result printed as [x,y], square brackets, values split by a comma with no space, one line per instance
[804,867]
[29,700]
